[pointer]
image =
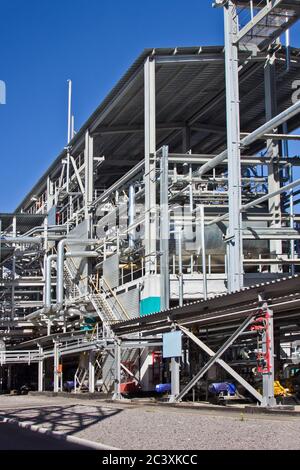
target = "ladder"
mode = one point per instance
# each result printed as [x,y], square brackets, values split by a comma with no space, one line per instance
[81,377]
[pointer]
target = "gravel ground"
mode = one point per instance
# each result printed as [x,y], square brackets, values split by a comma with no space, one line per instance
[157,428]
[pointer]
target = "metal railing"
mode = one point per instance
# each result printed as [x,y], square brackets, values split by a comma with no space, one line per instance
[22,357]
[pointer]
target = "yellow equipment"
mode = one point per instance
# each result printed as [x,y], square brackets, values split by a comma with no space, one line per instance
[280,391]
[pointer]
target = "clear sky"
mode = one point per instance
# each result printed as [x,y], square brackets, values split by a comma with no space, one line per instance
[93,42]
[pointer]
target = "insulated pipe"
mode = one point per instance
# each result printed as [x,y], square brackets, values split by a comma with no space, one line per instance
[73,311]
[31,316]
[50,228]
[82,254]
[20,240]
[249,139]
[27,240]
[60,265]
[50,258]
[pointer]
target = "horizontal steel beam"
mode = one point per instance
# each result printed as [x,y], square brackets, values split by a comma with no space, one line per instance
[205,58]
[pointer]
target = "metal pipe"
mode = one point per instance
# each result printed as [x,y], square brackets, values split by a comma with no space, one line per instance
[129,175]
[69,109]
[284,136]
[50,258]
[270,195]
[287,48]
[35,314]
[20,240]
[261,261]
[50,228]
[257,201]
[82,254]
[60,265]
[249,139]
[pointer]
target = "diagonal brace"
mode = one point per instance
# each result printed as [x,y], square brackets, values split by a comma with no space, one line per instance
[215,357]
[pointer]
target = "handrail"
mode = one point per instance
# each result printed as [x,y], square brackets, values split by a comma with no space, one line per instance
[116,298]
[111,292]
[80,277]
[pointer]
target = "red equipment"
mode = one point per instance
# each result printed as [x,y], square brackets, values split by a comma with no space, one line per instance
[262,326]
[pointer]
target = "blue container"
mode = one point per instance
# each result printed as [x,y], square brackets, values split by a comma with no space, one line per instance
[163,388]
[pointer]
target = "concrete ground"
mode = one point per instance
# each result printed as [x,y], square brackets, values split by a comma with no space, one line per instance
[142,426]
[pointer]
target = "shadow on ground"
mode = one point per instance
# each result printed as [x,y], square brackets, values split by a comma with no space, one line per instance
[12,437]
[69,419]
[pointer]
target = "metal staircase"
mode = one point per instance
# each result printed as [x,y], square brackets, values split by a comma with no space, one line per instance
[73,289]
[263,21]
[103,308]
[106,303]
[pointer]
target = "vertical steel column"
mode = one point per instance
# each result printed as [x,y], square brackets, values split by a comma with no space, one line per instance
[41,371]
[92,372]
[164,230]
[202,232]
[268,378]
[89,173]
[180,268]
[117,371]
[186,139]
[277,348]
[13,271]
[56,364]
[175,378]
[150,173]
[50,195]
[273,152]
[69,130]
[235,267]
[131,215]
[9,376]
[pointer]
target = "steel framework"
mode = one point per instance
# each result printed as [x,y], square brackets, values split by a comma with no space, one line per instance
[178,189]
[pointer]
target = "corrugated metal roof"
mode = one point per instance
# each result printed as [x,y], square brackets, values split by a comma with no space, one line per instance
[277,288]
[188,92]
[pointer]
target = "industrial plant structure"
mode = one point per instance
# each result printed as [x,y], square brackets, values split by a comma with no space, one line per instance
[168,222]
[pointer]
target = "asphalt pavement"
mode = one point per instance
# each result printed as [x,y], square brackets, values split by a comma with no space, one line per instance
[12,437]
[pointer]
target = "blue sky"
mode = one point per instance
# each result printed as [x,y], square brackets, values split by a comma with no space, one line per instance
[44,43]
